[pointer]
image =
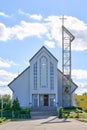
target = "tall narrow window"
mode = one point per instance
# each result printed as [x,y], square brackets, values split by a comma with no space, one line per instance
[35,75]
[43,72]
[51,76]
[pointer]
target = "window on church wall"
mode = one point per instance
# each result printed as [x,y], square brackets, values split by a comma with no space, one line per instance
[51,83]
[51,102]
[51,76]
[41,100]
[43,72]
[51,69]
[35,100]
[35,75]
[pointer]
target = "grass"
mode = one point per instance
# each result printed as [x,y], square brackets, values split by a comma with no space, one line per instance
[75,113]
[83,117]
[2,120]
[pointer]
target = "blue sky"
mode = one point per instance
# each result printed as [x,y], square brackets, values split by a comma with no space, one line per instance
[27,25]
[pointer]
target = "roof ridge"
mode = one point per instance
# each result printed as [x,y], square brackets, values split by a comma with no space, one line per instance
[46,50]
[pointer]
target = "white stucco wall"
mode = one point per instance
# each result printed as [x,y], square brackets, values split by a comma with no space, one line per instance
[20,87]
[43,90]
[23,85]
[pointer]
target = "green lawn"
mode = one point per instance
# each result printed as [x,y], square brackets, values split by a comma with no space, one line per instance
[75,113]
[2,119]
[83,117]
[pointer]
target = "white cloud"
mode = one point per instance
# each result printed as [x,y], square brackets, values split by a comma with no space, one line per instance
[50,44]
[32,16]
[5,90]
[4,15]
[5,63]
[50,27]
[26,29]
[77,27]
[5,33]
[79,74]
[82,87]
[21,12]
[7,75]
[79,30]
[53,25]
[3,83]
[37,17]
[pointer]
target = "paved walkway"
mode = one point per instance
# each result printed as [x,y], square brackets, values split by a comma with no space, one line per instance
[50,123]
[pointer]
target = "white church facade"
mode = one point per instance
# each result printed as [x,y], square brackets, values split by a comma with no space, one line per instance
[40,84]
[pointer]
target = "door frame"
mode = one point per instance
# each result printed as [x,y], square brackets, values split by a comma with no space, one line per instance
[46,100]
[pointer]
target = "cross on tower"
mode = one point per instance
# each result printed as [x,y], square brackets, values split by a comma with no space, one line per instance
[62,18]
[67,38]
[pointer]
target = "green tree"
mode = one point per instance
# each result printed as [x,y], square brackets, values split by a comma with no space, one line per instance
[84,94]
[6,99]
[16,105]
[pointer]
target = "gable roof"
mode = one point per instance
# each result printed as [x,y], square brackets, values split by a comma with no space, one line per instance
[68,79]
[29,67]
[43,47]
[18,76]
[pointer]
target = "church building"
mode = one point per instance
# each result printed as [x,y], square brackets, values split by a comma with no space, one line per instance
[40,84]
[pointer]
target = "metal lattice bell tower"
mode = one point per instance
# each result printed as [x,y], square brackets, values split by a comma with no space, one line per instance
[67,38]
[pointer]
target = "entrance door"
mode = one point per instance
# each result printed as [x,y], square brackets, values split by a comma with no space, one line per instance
[45,100]
[35,100]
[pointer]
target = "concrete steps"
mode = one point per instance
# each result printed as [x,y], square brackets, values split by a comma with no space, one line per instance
[42,112]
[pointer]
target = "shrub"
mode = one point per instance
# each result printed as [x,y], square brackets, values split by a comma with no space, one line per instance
[79,108]
[25,111]
[60,112]
[16,105]
[70,108]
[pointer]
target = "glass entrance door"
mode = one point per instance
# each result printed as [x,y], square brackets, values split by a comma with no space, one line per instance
[45,100]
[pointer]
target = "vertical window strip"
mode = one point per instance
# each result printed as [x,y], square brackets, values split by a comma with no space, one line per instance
[46,70]
[51,76]
[35,75]
[40,72]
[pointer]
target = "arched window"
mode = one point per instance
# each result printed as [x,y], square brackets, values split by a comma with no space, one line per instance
[43,71]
